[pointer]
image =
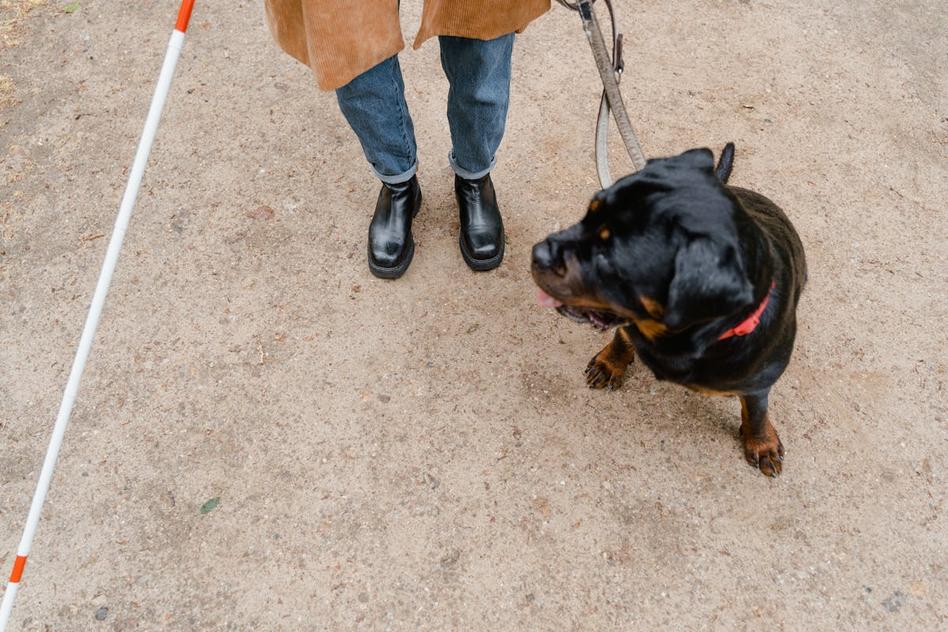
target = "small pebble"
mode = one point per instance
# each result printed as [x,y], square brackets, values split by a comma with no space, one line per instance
[451,559]
[895,602]
[101,613]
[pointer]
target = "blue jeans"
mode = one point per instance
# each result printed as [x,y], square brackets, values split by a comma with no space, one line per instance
[479,74]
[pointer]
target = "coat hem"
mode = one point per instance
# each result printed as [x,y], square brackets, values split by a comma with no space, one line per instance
[329,84]
[423,36]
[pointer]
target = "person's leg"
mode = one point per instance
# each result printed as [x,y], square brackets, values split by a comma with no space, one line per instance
[479,75]
[374,105]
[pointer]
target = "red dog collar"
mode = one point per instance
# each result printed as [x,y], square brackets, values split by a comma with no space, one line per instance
[750,323]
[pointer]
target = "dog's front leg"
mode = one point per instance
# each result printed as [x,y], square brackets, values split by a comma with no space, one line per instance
[607,368]
[762,447]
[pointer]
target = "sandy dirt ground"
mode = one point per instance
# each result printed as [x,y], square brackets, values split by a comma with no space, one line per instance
[424,454]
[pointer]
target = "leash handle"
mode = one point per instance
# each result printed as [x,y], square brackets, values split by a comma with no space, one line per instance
[95,310]
[612,98]
[610,71]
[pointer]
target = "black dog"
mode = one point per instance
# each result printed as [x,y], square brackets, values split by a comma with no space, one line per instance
[701,278]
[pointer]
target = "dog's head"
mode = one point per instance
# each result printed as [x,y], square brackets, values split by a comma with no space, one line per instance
[659,248]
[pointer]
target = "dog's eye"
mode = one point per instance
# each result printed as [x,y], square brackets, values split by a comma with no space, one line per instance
[604,233]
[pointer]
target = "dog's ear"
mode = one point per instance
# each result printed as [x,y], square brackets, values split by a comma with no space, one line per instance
[698,159]
[709,282]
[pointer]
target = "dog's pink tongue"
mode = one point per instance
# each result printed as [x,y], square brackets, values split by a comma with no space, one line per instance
[545,300]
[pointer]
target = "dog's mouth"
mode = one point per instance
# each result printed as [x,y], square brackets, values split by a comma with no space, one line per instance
[599,319]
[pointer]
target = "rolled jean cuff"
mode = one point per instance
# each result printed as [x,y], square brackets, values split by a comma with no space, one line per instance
[397,179]
[470,175]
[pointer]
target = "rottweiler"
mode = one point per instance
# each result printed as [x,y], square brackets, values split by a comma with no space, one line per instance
[700,278]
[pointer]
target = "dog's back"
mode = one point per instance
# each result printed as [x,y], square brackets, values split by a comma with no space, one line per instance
[779,230]
[772,221]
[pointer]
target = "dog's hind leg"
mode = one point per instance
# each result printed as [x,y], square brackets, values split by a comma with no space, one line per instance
[607,368]
[762,447]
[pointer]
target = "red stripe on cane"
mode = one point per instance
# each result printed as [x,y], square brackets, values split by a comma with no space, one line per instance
[18,565]
[184,15]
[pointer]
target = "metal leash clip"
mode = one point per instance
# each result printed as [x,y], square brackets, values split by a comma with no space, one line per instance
[611,67]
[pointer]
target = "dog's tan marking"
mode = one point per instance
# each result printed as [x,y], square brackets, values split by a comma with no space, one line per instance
[651,329]
[655,309]
[711,392]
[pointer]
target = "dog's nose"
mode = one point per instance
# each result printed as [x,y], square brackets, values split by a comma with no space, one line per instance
[542,254]
[547,256]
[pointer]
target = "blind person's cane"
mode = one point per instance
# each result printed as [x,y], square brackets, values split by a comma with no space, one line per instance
[95,310]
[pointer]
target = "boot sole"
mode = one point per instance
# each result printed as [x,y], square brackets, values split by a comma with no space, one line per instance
[481,265]
[395,272]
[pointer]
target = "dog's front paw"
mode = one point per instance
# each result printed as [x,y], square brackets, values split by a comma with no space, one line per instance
[764,451]
[603,372]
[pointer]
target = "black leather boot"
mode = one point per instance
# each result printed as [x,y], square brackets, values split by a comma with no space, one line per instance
[482,229]
[391,246]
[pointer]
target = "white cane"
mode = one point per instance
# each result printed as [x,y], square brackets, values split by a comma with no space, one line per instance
[95,310]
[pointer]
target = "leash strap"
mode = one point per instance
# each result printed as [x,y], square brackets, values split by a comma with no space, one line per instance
[610,68]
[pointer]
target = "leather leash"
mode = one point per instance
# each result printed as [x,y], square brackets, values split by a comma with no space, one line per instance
[611,67]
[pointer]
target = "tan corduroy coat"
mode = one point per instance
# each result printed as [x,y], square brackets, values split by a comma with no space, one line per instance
[341,39]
